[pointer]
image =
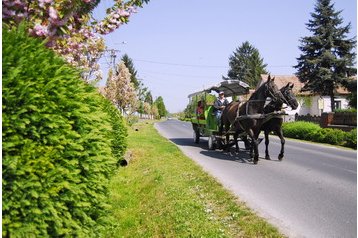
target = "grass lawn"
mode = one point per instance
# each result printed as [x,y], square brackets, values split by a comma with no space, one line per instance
[162,193]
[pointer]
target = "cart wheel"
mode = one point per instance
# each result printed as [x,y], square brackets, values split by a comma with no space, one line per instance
[212,142]
[219,143]
[196,136]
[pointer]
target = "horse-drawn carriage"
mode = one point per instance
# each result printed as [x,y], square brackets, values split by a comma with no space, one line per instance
[203,119]
[245,120]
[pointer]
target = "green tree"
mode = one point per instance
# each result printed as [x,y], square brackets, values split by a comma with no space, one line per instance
[246,64]
[352,97]
[148,98]
[128,62]
[162,111]
[327,57]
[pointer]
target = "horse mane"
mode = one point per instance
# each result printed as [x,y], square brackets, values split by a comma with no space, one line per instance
[258,92]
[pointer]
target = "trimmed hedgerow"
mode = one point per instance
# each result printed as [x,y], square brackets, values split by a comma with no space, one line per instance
[300,130]
[61,144]
[313,132]
[118,133]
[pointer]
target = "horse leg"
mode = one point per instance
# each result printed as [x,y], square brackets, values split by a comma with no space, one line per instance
[267,156]
[254,145]
[246,142]
[280,134]
[227,146]
[236,142]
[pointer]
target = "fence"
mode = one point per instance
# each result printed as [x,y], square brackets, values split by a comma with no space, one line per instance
[308,117]
[339,120]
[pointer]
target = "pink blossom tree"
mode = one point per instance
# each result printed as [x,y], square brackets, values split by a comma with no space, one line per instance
[68,27]
[120,90]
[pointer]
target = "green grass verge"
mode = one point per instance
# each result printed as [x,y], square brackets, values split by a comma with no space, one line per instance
[162,193]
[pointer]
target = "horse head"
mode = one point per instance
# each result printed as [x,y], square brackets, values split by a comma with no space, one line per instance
[290,98]
[272,91]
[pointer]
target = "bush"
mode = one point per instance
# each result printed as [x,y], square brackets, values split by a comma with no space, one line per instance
[351,139]
[313,132]
[61,144]
[330,136]
[118,133]
[349,110]
[132,119]
[300,130]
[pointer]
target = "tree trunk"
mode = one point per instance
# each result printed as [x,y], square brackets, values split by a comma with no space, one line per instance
[332,102]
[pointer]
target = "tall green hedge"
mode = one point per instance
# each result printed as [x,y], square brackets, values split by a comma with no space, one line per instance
[61,143]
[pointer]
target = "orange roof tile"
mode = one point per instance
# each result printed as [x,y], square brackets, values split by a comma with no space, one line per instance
[283,80]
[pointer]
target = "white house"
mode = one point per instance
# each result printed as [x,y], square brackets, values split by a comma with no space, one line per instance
[309,103]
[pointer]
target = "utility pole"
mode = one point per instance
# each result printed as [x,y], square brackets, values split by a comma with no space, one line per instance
[113,56]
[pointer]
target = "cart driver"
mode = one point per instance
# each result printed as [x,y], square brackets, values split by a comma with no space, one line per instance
[219,105]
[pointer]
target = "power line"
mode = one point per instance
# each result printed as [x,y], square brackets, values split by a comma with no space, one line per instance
[177,64]
[200,66]
[176,75]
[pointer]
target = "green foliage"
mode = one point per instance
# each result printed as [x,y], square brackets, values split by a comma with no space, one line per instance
[330,136]
[300,130]
[131,120]
[351,85]
[328,57]
[207,99]
[351,139]
[130,66]
[313,132]
[348,110]
[306,101]
[159,102]
[246,64]
[118,132]
[61,144]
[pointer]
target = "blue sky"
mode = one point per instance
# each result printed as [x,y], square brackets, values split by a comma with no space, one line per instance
[181,46]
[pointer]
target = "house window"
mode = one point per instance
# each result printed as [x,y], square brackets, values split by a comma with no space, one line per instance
[337,104]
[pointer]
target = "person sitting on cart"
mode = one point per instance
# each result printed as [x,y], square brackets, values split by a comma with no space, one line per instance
[200,110]
[219,105]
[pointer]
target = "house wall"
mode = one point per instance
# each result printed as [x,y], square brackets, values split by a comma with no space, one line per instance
[316,105]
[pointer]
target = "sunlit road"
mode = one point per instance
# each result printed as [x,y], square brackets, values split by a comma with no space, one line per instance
[311,193]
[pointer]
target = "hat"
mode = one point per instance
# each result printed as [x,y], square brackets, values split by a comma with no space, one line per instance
[221,92]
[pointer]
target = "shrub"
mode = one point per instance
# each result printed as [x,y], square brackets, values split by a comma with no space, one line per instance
[351,139]
[348,110]
[300,130]
[118,133]
[58,138]
[330,136]
[132,119]
[313,132]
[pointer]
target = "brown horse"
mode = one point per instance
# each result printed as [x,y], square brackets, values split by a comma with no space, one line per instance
[247,118]
[275,123]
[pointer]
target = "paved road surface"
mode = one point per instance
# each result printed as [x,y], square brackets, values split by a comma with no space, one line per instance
[312,193]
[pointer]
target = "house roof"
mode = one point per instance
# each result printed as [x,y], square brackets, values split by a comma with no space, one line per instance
[283,80]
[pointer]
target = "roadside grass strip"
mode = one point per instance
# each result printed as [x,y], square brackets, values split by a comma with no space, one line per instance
[162,193]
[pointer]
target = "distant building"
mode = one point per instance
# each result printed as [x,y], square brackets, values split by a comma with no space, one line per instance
[309,103]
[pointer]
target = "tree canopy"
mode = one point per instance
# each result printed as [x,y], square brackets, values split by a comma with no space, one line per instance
[120,90]
[327,57]
[128,62]
[159,102]
[246,64]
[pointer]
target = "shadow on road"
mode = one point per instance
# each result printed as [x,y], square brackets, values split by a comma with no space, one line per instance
[243,156]
[189,142]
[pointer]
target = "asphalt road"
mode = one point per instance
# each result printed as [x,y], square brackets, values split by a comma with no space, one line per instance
[311,193]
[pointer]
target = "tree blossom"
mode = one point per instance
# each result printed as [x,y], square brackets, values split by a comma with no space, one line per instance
[119,89]
[67,26]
